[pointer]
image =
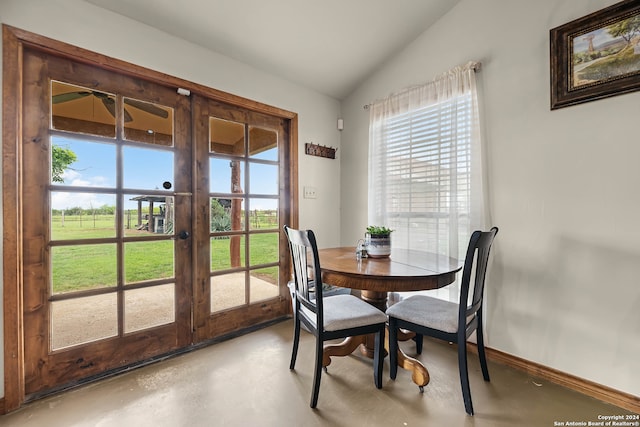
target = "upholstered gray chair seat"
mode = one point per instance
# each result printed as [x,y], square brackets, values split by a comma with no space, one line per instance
[346,312]
[427,311]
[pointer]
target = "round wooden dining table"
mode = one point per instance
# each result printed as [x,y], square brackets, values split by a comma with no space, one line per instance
[404,270]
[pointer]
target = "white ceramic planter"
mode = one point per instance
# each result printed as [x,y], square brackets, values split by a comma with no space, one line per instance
[377,247]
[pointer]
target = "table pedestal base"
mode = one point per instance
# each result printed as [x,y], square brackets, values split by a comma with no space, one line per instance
[344,348]
[420,375]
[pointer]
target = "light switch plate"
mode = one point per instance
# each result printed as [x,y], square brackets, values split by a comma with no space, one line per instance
[310,192]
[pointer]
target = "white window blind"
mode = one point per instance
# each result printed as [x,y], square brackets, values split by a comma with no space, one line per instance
[424,182]
[424,191]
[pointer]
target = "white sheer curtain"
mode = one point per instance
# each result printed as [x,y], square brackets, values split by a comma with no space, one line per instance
[425,166]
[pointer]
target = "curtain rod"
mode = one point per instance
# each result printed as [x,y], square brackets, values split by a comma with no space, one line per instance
[475,66]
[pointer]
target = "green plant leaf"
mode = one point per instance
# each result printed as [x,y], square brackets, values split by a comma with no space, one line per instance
[378,230]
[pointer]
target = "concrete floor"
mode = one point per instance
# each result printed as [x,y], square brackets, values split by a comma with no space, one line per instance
[246,381]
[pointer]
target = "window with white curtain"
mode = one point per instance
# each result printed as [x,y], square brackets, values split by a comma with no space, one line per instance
[425,175]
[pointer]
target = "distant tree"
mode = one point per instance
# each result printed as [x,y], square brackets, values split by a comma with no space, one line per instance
[627,29]
[61,158]
[76,210]
[106,210]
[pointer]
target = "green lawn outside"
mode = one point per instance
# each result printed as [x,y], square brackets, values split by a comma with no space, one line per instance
[81,267]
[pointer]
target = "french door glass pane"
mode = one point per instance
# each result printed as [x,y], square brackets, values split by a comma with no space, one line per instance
[82,110]
[227,252]
[148,260]
[263,178]
[226,176]
[227,291]
[149,307]
[263,248]
[69,267]
[146,215]
[226,214]
[263,284]
[147,122]
[226,137]
[82,215]
[75,162]
[263,144]
[81,320]
[147,169]
[263,214]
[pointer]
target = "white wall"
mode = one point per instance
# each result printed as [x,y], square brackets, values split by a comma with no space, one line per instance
[79,23]
[564,289]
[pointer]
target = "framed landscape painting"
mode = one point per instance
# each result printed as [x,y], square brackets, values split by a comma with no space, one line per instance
[596,56]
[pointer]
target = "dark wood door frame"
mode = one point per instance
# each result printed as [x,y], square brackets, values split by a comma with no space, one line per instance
[15,41]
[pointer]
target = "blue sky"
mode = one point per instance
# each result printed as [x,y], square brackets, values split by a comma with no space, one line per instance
[581,43]
[146,169]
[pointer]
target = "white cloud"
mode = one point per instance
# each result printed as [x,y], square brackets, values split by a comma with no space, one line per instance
[64,200]
[74,178]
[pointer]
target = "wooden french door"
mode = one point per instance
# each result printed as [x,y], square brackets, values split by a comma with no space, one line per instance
[242,193]
[107,221]
[138,221]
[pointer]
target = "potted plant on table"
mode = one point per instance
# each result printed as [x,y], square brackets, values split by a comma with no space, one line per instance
[377,241]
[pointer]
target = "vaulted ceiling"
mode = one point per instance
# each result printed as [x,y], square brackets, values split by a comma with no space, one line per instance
[327,45]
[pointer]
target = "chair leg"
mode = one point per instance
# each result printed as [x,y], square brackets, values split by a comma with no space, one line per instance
[378,358]
[418,339]
[464,376]
[296,341]
[481,353]
[393,348]
[317,373]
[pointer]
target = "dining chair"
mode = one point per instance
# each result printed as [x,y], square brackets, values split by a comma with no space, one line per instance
[328,318]
[447,320]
